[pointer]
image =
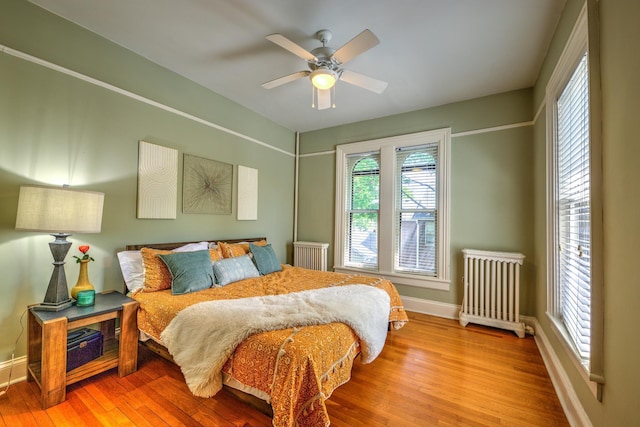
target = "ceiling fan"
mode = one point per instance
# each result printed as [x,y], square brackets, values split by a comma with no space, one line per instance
[325,65]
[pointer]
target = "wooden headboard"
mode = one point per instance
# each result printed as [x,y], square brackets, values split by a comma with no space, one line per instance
[173,245]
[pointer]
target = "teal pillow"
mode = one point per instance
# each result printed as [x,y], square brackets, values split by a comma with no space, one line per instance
[190,271]
[229,270]
[265,258]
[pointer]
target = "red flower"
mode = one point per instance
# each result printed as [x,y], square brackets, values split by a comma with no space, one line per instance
[84,249]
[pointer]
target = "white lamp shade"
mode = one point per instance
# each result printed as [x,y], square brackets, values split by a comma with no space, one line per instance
[55,209]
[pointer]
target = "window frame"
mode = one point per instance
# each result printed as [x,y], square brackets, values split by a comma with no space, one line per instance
[386,226]
[402,172]
[577,45]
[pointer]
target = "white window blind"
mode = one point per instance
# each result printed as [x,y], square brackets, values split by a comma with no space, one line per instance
[363,202]
[416,210]
[573,257]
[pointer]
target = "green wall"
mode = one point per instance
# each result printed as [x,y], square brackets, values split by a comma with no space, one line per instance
[619,62]
[57,129]
[489,169]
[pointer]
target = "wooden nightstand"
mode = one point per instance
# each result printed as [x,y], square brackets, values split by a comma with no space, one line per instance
[47,344]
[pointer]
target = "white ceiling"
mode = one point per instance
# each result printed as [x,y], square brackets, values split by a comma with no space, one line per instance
[432,52]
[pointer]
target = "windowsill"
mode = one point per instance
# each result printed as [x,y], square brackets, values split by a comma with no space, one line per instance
[400,279]
[577,362]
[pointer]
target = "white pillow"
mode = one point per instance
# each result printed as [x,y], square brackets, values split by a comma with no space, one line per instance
[132,268]
[192,247]
[132,265]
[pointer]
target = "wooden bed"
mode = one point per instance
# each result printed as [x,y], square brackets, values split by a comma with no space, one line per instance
[287,373]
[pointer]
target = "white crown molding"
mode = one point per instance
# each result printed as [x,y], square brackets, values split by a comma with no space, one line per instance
[100,83]
[492,129]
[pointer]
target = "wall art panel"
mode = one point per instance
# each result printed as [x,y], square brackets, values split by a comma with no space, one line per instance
[206,186]
[247,193]
[157,181]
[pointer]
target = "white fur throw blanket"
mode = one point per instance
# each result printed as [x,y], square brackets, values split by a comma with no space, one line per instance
[203,336]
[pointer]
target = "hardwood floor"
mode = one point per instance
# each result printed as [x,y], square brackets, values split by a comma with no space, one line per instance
[431,373]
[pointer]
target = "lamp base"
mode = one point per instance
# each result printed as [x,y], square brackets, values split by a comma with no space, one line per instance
[47,306]
[57,296]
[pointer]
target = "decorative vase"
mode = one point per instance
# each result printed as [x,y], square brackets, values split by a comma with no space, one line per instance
[83,283]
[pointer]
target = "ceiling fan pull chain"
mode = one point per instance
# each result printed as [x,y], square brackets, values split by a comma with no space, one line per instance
[333,96]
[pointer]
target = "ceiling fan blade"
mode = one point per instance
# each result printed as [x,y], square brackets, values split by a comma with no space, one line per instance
[324,99]
[354,47]
[365,82]
[285,79]
[292,47]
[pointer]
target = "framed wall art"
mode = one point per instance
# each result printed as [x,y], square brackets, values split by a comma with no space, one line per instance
[206,186]
[247,193]
[157,181]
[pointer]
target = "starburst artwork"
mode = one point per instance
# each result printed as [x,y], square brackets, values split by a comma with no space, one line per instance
[206,186]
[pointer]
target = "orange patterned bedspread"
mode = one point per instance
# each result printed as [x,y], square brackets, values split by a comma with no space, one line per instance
[298,368]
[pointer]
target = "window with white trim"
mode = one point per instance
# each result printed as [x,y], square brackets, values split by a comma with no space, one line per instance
[571,251]
[573,209]
[362,210]
[416,218]
[392,198]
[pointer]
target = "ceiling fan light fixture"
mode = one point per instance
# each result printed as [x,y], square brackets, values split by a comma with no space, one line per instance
[323,78]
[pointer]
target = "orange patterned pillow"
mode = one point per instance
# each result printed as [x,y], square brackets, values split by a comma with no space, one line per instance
[157,276]
[232,250]
[215,254]
[214,246]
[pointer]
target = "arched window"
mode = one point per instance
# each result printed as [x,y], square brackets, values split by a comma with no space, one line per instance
[392,201]
[363,203]
[417,210]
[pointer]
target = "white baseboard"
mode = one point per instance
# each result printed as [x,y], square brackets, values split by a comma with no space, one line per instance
[18,373]
[573,409]
[434,308]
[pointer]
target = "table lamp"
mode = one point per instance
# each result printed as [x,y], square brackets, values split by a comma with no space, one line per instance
[60,211]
